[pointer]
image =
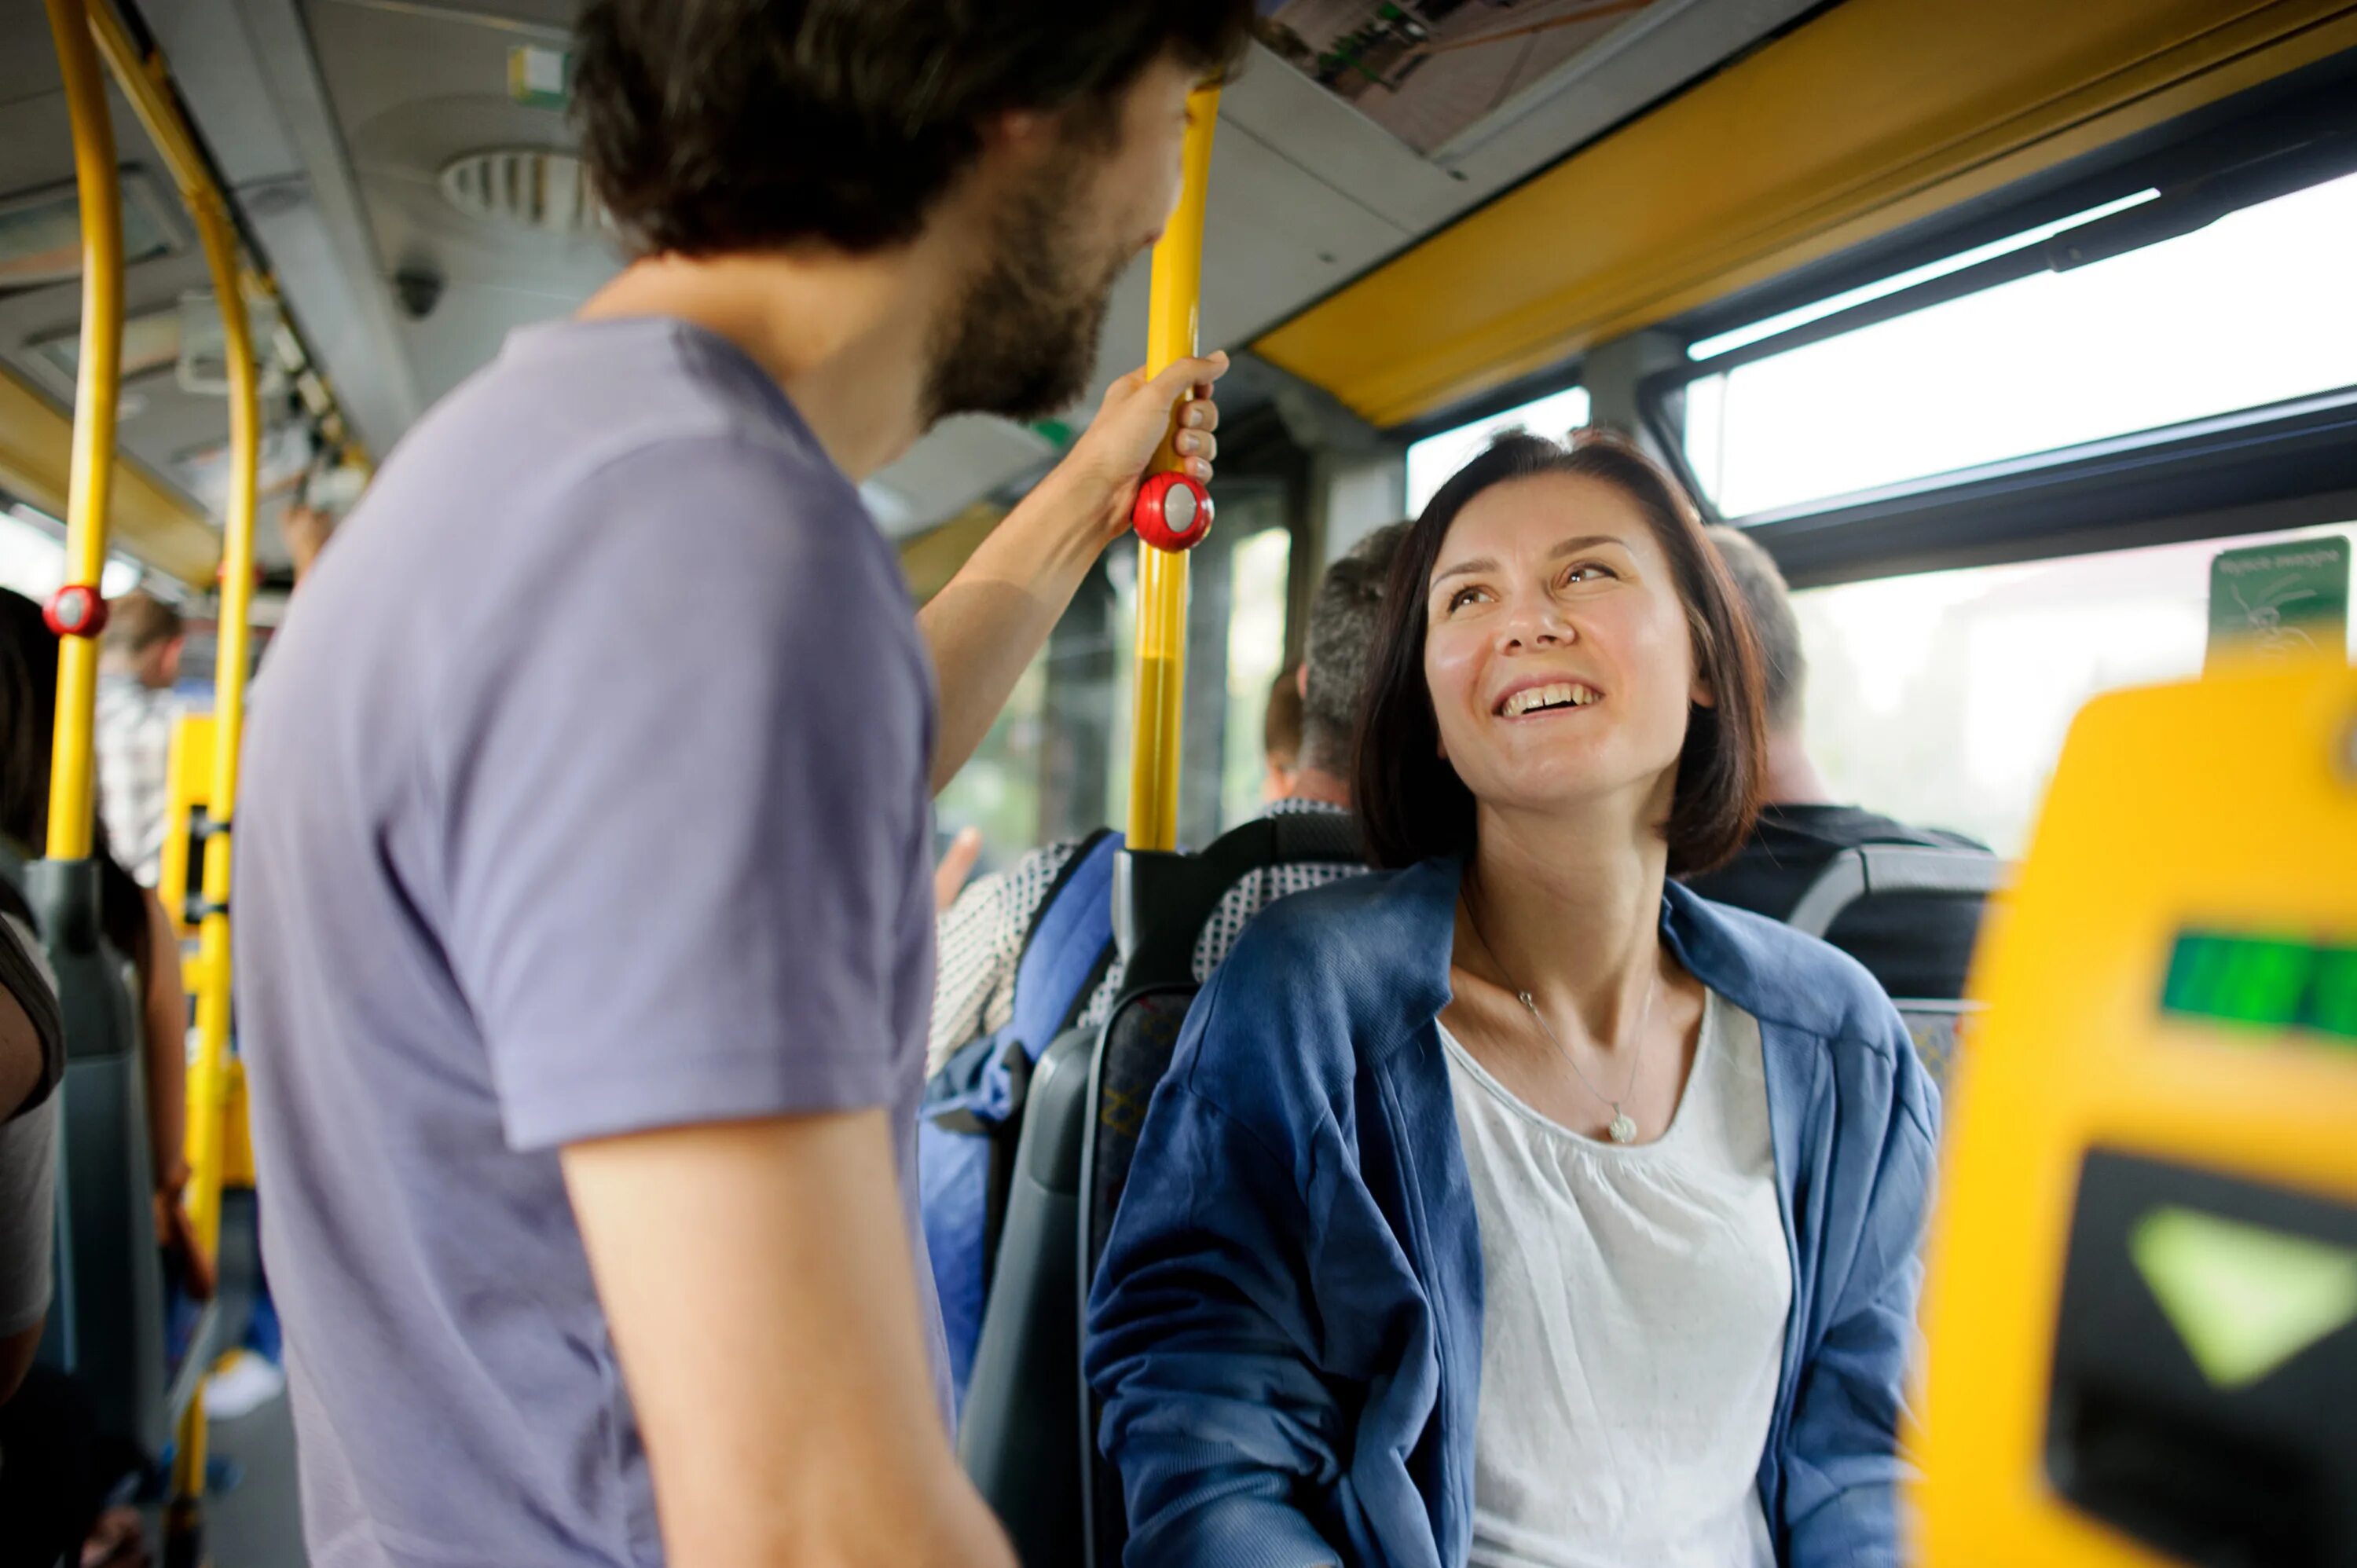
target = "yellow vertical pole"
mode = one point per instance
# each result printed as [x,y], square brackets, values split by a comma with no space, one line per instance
[71,798]
[209,1079]
[1160,687]
[144,84]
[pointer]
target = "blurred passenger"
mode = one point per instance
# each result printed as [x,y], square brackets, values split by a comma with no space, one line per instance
[140,665]
[585,866]
[1514,1205]
[32,1057]
[1280,733]
[306,530]
[130,918]
[983,936]
[48,1490]
[55,1464]
[957,864]
[1916,946]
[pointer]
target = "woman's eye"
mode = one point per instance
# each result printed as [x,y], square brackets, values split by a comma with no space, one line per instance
[1462,597]
[1589,572]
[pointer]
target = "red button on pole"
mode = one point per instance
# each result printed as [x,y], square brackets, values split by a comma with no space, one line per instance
[1173,511]
[76,610]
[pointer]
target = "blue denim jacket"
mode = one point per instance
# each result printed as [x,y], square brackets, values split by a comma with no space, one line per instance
[1287,1327]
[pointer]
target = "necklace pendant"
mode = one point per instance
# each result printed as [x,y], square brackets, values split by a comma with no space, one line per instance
[1623,1127]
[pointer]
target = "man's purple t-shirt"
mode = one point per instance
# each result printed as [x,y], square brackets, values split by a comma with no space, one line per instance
[588,797]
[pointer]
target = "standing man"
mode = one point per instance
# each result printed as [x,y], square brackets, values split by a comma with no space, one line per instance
[140,664]
[583,873]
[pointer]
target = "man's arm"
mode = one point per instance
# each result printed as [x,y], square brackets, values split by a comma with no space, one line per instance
[21,1053]
[783,1397]
[987,623]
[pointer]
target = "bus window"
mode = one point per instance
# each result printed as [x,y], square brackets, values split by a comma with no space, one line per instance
[998,789]
[1431,460]
[1255,652]
[2253,309]
[1942,699]
[33,557]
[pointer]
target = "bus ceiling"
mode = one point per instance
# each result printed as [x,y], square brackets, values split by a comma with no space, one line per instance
[1373,237]
[1874,115]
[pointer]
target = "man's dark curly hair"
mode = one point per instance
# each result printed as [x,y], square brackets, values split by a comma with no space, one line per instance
[719,125]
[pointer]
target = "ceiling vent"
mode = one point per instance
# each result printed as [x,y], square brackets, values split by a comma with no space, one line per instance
[526,186]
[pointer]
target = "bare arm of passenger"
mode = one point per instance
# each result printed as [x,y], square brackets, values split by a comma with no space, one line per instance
[306,529]
[164,1031]
[20,1070]
[21,1052]
[783,1395]
[985,626]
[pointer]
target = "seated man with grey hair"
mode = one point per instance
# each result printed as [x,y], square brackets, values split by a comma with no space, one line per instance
[1916,946]
[983,932]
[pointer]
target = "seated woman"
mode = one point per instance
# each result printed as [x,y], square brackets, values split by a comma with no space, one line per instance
[1518,1207]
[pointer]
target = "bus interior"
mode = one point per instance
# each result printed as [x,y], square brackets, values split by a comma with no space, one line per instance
[1997,325]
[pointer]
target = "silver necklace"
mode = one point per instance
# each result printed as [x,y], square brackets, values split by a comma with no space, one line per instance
[1623,1126]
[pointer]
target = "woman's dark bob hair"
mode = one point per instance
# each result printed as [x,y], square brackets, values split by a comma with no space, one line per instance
[1409,797]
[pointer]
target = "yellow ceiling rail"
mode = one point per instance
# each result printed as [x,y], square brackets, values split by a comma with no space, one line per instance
[150,520]
[1877,114]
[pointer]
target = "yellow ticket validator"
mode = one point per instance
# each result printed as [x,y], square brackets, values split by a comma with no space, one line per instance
[2142,1301]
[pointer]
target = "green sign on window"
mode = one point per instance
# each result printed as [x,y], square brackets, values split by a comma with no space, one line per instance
[2275,602]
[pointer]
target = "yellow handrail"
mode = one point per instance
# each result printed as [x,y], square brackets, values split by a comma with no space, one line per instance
[98,386]
[144,83]
[1160,685]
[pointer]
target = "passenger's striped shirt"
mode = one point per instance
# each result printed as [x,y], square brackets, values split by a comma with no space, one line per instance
[982,936]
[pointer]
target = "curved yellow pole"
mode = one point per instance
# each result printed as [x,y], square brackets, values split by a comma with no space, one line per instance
[143,82]
[98,385]
[1160,685]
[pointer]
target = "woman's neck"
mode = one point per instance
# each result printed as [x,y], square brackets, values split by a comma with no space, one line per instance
[1570,910]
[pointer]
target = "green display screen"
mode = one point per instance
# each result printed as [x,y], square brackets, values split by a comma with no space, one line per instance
[2269,981]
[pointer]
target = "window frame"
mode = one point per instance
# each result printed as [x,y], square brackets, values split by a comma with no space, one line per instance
[2285,465]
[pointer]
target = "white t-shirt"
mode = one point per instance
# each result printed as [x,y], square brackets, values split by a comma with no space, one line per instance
[1632,1328]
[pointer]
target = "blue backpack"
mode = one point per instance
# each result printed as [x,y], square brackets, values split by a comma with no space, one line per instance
[972,1111]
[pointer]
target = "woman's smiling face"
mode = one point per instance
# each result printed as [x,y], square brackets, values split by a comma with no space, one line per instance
[1557,650]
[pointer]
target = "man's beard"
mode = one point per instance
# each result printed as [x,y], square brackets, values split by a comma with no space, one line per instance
[1022,340]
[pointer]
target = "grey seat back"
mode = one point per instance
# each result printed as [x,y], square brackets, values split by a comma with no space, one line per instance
[107,1324]
[1027,1434]
[1017,1436]
[1858,875]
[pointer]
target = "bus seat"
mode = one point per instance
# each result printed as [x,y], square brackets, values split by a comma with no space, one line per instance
[1859,875]
[107,1323]
[1161,904]
[1027,1434]
[1016,1434]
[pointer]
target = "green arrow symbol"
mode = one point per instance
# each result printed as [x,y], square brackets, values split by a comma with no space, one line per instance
[2244,1298]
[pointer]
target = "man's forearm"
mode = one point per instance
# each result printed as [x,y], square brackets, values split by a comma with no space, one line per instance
[985,627]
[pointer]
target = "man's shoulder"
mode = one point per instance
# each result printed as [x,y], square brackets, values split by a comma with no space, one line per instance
[649,421]
[1832,829]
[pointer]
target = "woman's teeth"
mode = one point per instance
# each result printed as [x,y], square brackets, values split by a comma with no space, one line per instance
[1561,694]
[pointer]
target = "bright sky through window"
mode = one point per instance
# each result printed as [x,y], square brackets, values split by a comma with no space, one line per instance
[2253,310]
[1431,461]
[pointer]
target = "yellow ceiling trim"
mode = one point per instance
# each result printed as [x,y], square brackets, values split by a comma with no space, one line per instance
[1877,114]
[930,559]
[149,522]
